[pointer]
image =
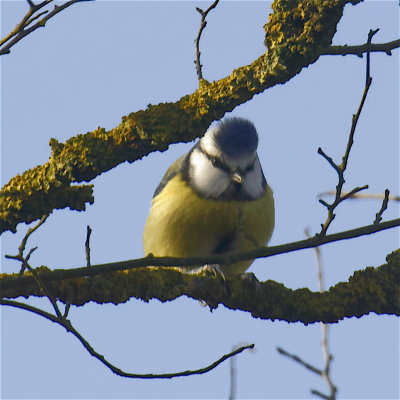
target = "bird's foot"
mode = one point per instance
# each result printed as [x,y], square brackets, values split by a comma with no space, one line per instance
[212,269]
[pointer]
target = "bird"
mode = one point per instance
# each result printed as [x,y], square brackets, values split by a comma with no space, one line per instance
[213,200]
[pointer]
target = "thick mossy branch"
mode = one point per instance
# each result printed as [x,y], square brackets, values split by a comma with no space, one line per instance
[369,290]
[37,192]
[296,35]
[299,31]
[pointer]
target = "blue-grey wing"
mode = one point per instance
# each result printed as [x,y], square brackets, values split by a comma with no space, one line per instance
[174,169]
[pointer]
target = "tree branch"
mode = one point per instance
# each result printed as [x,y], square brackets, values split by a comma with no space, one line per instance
[203,24]
[10,281]
[87,245]
[378,215]
[61,318]
[67,325]
[291,47]
[325,372]
[22,30]
[299,360]
[377,196]
[371,290]
[341,168]
[358,50]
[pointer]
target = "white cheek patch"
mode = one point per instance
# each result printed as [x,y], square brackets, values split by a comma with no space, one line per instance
[253,181]
[206,179]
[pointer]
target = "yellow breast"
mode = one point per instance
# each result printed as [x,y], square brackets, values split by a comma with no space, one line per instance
[183,224]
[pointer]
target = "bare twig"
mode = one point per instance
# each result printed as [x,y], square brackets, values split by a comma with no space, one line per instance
[233,373]
[29,232]
[233,379]
[31,4]
[328,357]
[61,318]
[203,24]
[325,372]
[299,360]
[24,22]
[383,208]
[47,293]
[341,168]
[23,28]
[378,196]
[371,34]
[358,50]
[66,310]
[25,265]
[319,394]
[87,245]
[60,274]
[20,256]
[68,326]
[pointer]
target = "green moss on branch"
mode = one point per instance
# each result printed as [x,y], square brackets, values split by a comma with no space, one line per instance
[370,290]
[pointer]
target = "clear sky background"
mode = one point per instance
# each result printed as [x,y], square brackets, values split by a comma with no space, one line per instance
[98,61]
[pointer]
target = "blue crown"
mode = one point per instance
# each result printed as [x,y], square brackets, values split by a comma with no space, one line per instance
[236,137]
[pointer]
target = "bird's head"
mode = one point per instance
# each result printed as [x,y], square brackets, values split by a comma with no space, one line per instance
[224,164]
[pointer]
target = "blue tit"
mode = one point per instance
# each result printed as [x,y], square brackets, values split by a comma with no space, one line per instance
[213,200]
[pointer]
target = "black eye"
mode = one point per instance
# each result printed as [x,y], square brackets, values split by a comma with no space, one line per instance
[217,163]
[250,167]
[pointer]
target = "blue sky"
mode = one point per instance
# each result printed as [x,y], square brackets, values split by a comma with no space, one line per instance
[98,61]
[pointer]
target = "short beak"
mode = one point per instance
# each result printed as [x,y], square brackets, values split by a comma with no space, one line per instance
[237,177]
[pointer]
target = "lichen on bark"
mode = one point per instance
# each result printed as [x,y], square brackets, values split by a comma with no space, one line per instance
[296,34]
[370,290]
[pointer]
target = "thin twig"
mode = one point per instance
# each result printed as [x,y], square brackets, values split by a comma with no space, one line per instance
[352,192]
[87,245]
[150,261]
[66,309]
[371,34]
[35,17]
[25,265]
[233,374]
[23,29]
[299,360]
[377,196]
[325,372]
[358,50]
[319,394]
[328,357]
[29,232]
[383,208]
[21,248]
[341,168]
[61,318]
[47,293]
[233,379]
[23,23]
[31,4]
[68,326]
[203,24]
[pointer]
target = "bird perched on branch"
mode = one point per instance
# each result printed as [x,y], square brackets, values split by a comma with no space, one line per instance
[213,200]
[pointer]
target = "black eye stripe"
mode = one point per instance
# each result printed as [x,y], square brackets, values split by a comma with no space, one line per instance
[250,167]
[215,161]
[220,164]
